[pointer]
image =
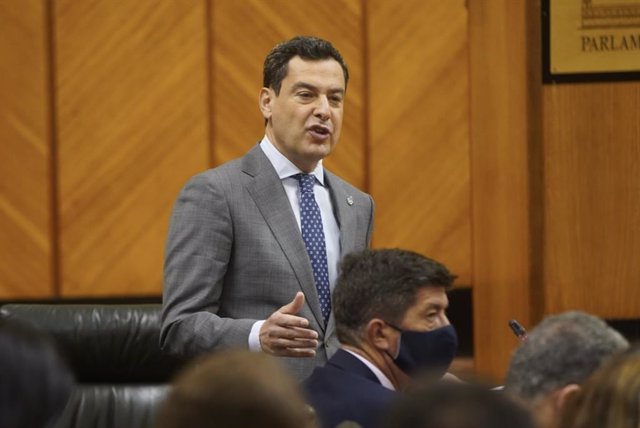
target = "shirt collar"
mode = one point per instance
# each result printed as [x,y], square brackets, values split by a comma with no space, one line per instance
[376,371]
[283,166]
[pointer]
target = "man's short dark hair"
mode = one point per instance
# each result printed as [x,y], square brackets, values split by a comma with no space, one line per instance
[563,349]
[381,284]
[276,64]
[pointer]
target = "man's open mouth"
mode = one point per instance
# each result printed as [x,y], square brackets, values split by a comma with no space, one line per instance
[319,131]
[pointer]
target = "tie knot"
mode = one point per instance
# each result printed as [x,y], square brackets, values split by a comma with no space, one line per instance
[306,182]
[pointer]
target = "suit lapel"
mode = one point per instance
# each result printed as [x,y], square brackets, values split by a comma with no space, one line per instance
[346,218]
[269,196]
[345,213]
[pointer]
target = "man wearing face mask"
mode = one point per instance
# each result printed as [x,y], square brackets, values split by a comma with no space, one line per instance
[389,307]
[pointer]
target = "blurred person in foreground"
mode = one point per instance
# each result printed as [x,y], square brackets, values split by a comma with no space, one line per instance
[558,356]
[235,389]
[390,315]
[457,405]
[35,384]
[610,398]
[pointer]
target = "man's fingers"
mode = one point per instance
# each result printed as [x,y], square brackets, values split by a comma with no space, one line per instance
[294,306]
[282,343]
[286,334]
[297,353]
[292,333]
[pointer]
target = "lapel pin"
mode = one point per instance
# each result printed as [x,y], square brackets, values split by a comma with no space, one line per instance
[350,200]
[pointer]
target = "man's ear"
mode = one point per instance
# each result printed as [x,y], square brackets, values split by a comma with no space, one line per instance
[380,335]
[562,395]
[265,102]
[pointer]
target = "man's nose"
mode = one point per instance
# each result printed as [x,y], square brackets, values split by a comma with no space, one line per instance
[444,320]
[322,110]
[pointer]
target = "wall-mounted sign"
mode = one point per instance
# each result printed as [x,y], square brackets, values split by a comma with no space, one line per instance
[590,40]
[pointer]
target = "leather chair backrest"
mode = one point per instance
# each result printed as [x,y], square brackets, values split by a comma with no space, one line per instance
[114,353]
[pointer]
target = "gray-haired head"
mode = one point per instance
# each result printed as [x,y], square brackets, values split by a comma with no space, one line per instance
[563,349]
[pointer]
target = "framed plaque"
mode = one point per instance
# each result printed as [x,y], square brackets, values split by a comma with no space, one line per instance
[590,40]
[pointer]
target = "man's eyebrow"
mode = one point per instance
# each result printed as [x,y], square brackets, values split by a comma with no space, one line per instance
[309,86]
[305,85]
[435,306]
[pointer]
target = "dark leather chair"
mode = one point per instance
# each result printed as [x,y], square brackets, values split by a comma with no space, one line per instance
[122,375]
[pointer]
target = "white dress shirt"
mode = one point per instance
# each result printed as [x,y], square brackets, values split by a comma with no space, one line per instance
[286,170]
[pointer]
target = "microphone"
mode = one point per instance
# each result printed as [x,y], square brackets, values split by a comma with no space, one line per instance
[518,330]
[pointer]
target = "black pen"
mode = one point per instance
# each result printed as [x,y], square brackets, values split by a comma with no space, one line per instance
[518,330]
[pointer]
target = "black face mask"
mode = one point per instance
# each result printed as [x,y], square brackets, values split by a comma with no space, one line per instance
[427,351]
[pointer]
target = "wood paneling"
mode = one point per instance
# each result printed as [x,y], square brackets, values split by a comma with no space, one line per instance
[556,199]
[25,152]
[527,193]
[133,122]
[243,34]
[419,128]
[592,198]
[504,111]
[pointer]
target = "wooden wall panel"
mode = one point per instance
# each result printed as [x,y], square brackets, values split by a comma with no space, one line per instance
[243,34]
[504,93]
[556,199]
[592,198]
[25,152]
[419,128]
[133,126]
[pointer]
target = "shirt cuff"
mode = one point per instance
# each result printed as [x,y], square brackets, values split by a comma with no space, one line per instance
[254,336]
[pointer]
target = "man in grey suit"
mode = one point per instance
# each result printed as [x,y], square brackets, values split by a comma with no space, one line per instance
[238,271]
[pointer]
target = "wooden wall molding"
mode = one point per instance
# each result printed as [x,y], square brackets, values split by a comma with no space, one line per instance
[26,249]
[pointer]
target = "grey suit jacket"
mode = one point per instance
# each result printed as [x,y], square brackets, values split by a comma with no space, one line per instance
[235,255]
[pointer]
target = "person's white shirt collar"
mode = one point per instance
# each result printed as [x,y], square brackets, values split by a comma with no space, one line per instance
[376,371]
[283,166]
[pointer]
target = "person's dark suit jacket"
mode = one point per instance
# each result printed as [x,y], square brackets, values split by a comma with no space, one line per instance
[235,255]
[346,390]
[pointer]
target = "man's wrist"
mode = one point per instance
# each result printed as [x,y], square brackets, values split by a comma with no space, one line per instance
[254,336]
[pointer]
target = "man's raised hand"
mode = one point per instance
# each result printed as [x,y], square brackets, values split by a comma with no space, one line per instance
[287,335]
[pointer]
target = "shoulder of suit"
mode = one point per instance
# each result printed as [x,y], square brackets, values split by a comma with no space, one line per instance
[218,177]
[222,169]
[249,161]
[348,188]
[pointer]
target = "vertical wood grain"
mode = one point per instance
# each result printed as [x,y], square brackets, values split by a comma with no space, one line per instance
[243,34]
[592,198]
[25,152]
[504,133]
[419,128]
[132,116]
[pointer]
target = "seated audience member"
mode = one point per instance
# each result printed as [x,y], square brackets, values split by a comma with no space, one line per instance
[558,356]
[457,405]
[610,398]
[35,385]
[389,307]
[235,389]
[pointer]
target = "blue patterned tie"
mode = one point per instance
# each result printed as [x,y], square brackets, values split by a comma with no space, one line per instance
[313,237]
